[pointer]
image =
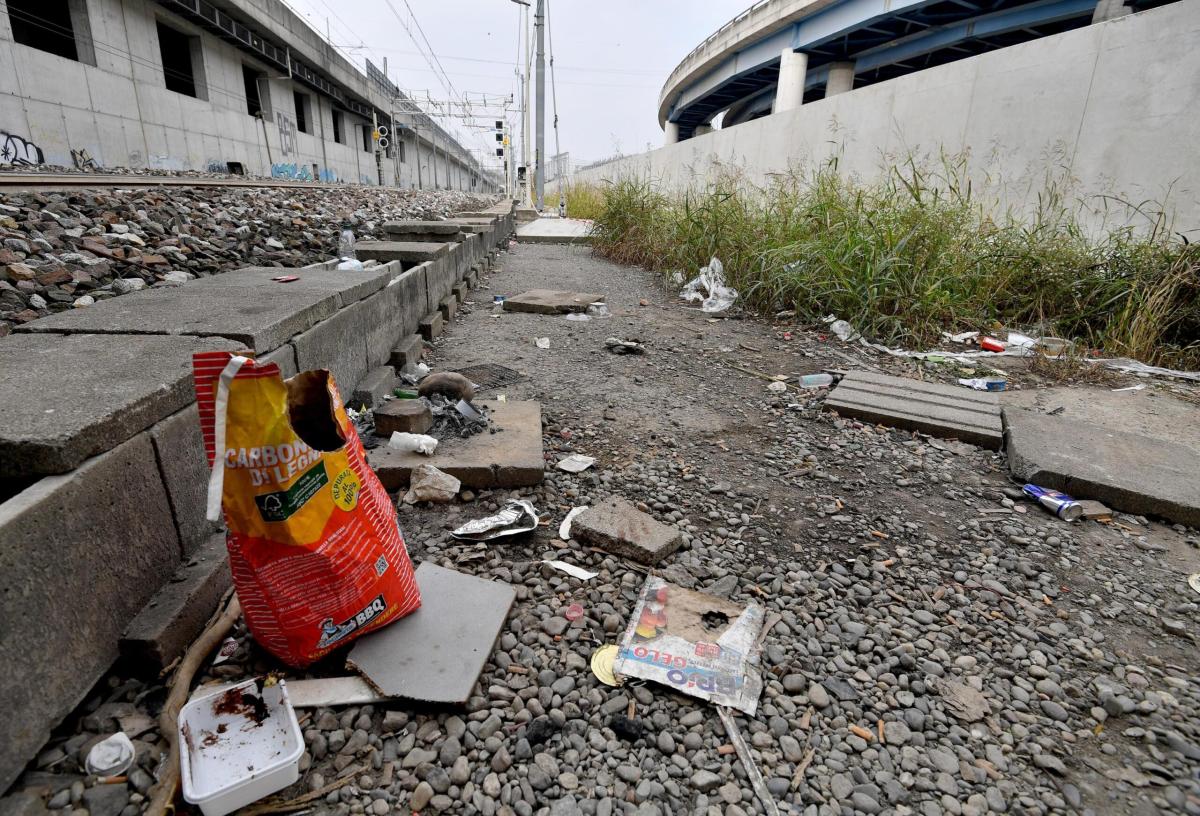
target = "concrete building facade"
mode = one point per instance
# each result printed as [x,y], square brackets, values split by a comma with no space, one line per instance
[242,86]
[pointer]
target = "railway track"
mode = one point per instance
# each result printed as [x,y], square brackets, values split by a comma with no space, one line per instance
[76,181]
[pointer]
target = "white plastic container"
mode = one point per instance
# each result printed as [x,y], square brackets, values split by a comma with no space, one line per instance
[237,746]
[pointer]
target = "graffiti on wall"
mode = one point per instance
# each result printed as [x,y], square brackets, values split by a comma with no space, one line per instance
[287,133]
[301,172]
[16,149]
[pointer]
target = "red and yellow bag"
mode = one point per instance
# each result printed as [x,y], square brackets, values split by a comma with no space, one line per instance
[316,553]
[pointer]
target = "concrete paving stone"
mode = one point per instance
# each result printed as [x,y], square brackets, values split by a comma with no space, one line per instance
[419,227]
[551,301]
[179,448]
[177,614]
[337,344]
[948,411]
[373,387]
[245,306]
[1126,471]
[431,325]
[440,277]
[407,352]
[65,398]
[403,251]
[618,527]
[81,554]
[556,231]
[448,306]
[285,358]
[437,653]
[511,457]
[460,291]
[403,416]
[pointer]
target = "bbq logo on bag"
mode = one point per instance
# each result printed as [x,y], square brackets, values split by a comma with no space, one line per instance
[317,556]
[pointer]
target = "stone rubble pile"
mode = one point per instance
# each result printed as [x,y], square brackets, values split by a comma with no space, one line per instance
[64,250]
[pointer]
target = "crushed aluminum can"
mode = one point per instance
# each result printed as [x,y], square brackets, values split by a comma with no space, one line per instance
[1060,504]
[518,516]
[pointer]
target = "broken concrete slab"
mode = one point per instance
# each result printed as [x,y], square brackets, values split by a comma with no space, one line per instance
[402,416]
[322,692]
[176,616]
[551,301]
[244,306]
[1127,471]
[65,398]
[618,527]
[1094,510]
[947,411]
[407,352]
[511,457]
[437,653]
[407,252]
[431,325]
[373,387]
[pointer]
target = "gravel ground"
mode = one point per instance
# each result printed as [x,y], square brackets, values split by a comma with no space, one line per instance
[942,645]
[61,251]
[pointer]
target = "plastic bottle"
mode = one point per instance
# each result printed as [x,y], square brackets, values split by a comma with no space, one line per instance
[345,250]
[815,380]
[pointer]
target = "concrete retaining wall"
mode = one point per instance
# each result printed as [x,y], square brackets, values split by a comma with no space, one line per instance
[1112,107]
[115,105]
[83,551]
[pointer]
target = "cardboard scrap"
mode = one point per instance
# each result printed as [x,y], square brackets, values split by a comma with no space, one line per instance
[698,644]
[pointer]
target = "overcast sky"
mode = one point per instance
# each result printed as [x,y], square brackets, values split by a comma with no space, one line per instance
[611,57]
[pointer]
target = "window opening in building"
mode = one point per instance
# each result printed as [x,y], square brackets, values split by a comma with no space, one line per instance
[302,109]
[250,78]
[177,60]
[54,26]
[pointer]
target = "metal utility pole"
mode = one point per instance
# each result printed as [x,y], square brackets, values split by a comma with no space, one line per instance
[539,23]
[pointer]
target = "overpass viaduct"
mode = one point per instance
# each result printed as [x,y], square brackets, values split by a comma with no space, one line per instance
[779,54]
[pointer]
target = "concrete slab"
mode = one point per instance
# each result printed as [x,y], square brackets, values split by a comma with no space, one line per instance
[948,411]
[1127,471]
[556,231]
[617,526]
[176,616]
[403,416]
[511,457]
[1150,412]
[338,344]
[81,554]
[448,306]
[403,251]
[245,306]
[431,325]
[437,653]
[373,386]
[407,352]
[551,301]
[179,448]
[65,398]
[417,227]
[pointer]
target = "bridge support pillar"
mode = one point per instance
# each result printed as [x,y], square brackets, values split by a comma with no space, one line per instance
[670,133]
[841,78]
[789,94]
[1110,10]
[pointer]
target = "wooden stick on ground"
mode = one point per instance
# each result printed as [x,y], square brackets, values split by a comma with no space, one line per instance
[162,795]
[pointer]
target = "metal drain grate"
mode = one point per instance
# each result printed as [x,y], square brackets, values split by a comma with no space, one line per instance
[490,375]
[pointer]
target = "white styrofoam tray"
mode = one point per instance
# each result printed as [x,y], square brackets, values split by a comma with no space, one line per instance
[238,745]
